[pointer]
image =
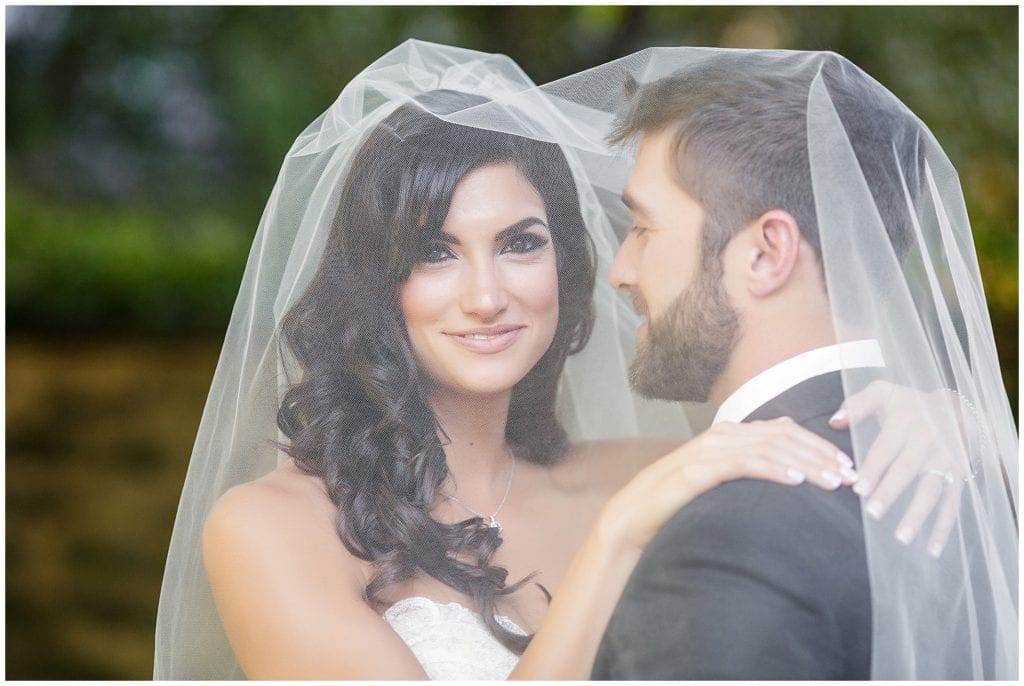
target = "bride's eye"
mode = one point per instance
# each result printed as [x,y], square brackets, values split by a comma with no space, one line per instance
[524,243]
[435,253]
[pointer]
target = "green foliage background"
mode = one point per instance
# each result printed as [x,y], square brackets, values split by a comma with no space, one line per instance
[142,143]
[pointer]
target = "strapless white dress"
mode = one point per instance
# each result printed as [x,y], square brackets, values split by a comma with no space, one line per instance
[451,640]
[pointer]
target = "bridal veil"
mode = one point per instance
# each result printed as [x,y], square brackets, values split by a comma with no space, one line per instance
[237,436]
[899,265]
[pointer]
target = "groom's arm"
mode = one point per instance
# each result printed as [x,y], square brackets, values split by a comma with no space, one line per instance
[753,580]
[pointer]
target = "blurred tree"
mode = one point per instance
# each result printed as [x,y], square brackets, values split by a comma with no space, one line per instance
[182,114]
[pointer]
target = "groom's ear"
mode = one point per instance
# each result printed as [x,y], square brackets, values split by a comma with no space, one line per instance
[773,245]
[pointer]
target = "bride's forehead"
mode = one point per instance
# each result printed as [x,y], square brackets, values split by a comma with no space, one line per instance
[498,193]
[493,179]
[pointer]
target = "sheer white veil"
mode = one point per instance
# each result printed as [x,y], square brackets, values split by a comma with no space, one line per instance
[899,263]
[954,617]
[238,431]
[919,294]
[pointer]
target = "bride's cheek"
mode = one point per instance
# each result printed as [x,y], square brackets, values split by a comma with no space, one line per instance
[425,299]
[543,299]
[538,284]
[425,295]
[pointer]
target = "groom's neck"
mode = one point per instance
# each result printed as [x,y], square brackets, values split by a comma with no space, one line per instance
[761,347]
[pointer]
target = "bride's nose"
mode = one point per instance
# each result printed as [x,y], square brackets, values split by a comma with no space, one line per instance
[482,292]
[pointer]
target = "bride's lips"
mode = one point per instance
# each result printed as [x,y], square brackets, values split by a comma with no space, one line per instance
[487,339]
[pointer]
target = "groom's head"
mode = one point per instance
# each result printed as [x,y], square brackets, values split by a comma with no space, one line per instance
[724,258]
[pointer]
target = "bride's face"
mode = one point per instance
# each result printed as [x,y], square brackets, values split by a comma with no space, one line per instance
[481,304]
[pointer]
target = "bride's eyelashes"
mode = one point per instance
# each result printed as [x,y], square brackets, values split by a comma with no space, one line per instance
[524,243]
[435,252]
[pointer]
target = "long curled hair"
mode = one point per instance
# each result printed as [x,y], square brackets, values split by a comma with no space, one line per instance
[359,418]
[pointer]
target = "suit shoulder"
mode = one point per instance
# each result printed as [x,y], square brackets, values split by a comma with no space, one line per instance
[752,520]
[758,503]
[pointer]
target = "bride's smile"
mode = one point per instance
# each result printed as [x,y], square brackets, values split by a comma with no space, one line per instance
[487,339]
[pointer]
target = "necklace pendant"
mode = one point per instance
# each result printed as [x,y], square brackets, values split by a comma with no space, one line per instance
[493,524]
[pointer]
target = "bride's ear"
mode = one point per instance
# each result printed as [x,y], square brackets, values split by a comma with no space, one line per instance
[771,252]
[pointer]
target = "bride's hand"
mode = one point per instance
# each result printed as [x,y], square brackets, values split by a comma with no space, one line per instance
[778,450]
[922,439]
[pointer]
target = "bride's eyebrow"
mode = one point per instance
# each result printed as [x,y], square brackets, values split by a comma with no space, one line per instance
[518,227]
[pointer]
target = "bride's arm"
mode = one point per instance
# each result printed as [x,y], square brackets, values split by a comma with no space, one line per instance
[290,597]
[565,645]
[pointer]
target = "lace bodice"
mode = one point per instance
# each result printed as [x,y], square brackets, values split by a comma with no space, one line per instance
[451,641]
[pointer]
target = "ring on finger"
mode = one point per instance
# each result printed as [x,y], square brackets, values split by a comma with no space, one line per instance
[947,476]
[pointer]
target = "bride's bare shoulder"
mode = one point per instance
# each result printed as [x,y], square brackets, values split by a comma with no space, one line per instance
[608,464]
[285,512]
[285,492]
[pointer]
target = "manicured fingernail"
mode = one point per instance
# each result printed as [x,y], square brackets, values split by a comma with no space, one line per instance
[904,535]
[876,509]
[862,487]
[831,477]
[844,459]
[849,474]
[795,475]
[839,416]
[934,549]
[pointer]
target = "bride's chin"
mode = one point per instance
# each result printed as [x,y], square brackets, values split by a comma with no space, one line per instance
[483,388]
[477,384]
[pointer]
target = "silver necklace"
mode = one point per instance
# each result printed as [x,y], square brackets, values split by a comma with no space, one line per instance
[492,522]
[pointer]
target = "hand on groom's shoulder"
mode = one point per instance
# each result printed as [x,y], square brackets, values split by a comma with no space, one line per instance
[752,580]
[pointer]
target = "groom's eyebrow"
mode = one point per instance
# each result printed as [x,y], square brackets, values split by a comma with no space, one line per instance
[635,205]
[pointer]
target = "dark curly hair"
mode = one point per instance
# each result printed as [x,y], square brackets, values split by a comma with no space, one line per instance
[359,417]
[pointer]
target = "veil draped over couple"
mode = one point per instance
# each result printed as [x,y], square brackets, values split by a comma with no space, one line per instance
[459,427]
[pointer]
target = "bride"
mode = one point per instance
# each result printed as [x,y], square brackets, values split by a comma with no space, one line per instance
[412,462]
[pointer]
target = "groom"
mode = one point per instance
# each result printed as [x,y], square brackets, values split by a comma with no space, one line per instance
[754,580]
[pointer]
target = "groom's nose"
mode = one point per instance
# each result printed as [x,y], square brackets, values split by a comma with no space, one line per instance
[623,274]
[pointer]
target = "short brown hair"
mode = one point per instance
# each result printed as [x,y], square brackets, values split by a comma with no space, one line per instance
[740,138]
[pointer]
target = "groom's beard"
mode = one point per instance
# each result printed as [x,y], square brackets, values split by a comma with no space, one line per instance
[687,348]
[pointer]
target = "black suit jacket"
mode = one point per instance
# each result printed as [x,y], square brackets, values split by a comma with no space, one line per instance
[752,580]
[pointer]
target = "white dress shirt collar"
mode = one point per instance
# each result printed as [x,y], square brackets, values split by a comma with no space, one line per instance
[780,378]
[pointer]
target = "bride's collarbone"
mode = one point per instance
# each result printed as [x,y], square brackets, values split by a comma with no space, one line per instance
[529,544]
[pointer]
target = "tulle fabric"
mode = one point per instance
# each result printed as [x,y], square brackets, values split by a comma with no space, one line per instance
[238,430]
[954,617]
